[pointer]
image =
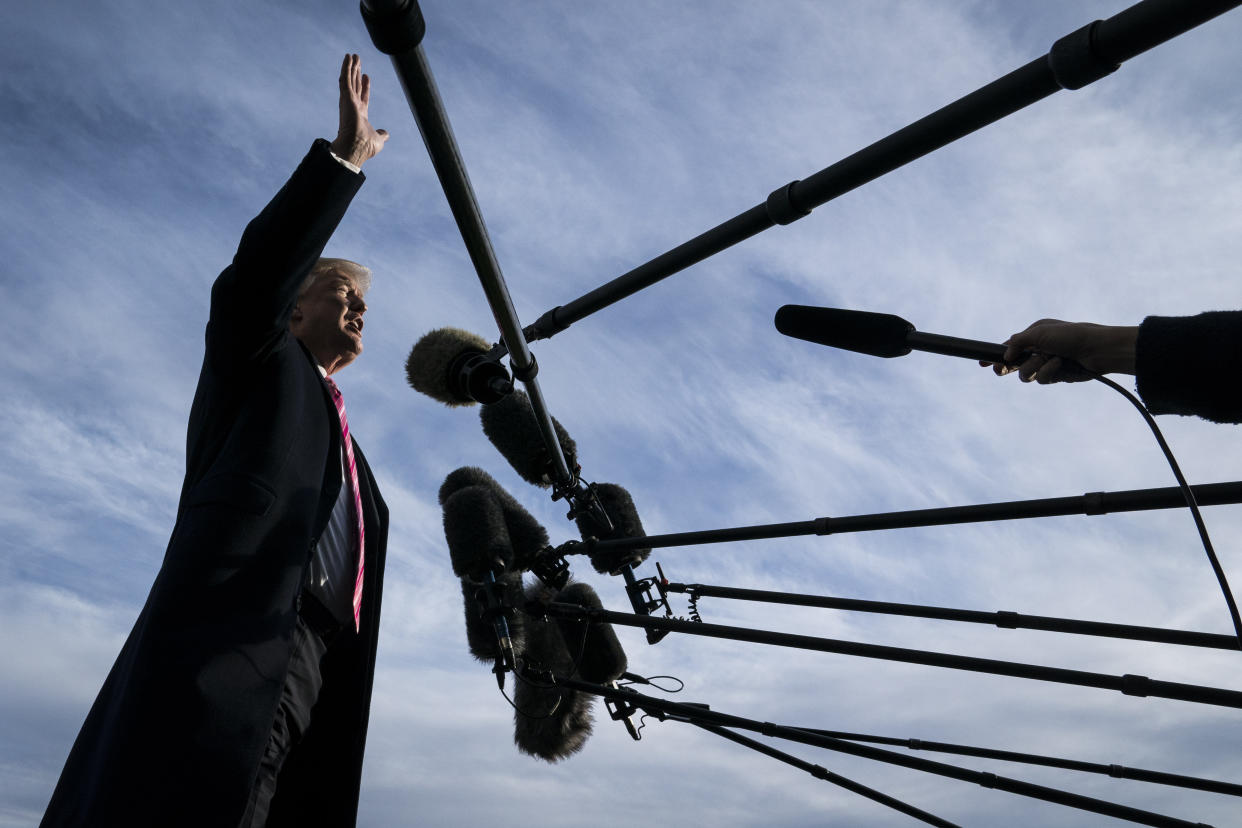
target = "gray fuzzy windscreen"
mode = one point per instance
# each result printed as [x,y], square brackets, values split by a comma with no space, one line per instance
[526,534]
[474,526]
[426,368]
[550,723]
[511,426]
[465,476]
[621,510]
[601,658]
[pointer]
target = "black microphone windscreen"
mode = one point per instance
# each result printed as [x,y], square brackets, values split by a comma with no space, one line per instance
[877,334]
[462,477]
[602,658]
[625,524]
[549,722]
[526,535]
[474,526]
[429,367]
[480,634]
[511,426]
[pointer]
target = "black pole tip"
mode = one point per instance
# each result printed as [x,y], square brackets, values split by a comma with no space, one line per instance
[396,26]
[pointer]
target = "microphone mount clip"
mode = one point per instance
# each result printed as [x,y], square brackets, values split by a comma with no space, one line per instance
[487,596]
[644,602]
[583,500]
[550,565]
[622,710]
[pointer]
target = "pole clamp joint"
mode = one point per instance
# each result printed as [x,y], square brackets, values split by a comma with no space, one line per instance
[525,374]
[1093,504]
[1075,61]
[781,206]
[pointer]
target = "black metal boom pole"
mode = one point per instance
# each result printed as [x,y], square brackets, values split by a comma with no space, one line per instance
[1130,685]
[1074,61]
[1116,771]
[397,28]
[1092,503]
[823,773]
[1003,619]
[698,715]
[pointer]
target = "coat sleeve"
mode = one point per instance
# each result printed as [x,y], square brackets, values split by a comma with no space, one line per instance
[1192,365]
[252,300]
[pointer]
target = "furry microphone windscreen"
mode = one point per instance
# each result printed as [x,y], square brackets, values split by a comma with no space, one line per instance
[625,524]
[431,359]
[602,658]
[480,634]
[511,426]
[550,723]
[527,535]
[474,526]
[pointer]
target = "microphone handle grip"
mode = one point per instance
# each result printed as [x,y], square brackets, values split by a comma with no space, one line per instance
[954,346]
[494,609]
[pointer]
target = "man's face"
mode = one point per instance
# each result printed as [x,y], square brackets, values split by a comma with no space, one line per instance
[328,320]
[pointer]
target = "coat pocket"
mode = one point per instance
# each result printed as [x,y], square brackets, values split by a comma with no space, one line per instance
[240,491]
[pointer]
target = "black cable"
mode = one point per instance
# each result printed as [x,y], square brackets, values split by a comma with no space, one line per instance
[1190,501]
[520,675]
[820,772]
[630,678]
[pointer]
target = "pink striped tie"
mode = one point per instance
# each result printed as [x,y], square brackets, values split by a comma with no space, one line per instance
[353,487]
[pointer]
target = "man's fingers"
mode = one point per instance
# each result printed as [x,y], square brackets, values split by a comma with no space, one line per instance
[1028,369]
[1048,372]
[366,89]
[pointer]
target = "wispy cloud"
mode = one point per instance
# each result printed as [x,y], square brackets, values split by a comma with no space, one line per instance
[139,141]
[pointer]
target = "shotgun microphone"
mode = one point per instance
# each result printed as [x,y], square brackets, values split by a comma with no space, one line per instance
[481,551]
[527,537]
[619,506]
[451,365]
[550,722]
[602,658]
[877,334]
[511,426]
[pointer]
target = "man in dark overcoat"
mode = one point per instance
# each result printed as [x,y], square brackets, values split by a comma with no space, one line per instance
[242,694]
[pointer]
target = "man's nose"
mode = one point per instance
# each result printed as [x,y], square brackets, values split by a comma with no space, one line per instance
[358,305]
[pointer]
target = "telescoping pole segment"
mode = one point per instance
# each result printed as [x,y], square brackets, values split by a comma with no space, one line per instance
[1092,503]
[703,715]
[1129,684]
[1003,619]
[397,28]
[1074,61]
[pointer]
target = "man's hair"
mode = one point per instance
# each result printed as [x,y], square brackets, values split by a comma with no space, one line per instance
[324,267]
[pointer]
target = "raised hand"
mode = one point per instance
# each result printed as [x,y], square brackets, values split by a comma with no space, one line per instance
[356,140]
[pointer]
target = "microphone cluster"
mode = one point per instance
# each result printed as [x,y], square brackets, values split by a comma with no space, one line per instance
[493,540]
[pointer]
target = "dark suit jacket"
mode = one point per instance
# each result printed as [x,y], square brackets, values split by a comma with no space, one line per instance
[176,734]
[1192,365]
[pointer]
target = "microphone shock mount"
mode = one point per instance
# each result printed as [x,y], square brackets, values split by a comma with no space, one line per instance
[550,565]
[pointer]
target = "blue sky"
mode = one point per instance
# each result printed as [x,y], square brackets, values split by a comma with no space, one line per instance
[140,138]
